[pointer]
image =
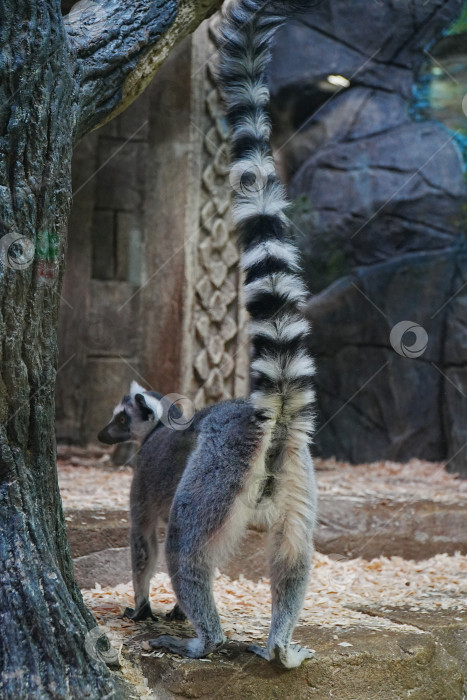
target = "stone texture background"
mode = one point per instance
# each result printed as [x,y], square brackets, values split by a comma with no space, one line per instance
[152,287]
[151,290]
[381,218]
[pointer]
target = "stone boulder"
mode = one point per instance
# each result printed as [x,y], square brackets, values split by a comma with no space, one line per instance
[401,663]
[380,202]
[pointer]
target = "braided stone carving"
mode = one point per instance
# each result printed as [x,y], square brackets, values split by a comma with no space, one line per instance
[220,348]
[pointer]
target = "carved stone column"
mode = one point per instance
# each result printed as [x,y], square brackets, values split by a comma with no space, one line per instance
[219,342]
[194,319]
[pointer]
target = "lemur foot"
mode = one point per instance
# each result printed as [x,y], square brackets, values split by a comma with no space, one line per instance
[260,651]
[284,657]
[176,614]
[143,613]
[193,648]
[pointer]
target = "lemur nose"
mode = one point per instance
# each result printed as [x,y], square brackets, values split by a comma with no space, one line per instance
[104,437]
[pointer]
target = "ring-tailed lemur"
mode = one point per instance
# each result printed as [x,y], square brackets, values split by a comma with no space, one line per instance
[148,418]
[248,460]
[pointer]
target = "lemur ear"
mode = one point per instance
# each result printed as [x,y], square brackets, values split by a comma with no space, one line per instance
[150,407]
[136,388]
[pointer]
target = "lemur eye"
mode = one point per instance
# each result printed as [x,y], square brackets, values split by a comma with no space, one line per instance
[122,419]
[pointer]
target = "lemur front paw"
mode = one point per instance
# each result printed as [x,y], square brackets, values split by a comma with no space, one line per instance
[284,657]
[143,613]
[176,614]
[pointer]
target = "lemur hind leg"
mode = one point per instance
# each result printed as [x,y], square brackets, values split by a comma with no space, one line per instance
[143,561]
[291,549]
[208,518]
[191,560]
[193,587]
[288,587]
[191,553]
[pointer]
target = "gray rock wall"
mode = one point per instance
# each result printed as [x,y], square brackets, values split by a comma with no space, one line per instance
[381,218]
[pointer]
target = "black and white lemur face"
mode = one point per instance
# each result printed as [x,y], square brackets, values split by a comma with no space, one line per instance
[137,414]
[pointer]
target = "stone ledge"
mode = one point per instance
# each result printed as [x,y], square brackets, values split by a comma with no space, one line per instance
[348,527]
[380,665]
[412,529]
[95,530]
[109,567]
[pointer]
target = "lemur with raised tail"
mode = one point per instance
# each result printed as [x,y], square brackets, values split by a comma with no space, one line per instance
[245,461]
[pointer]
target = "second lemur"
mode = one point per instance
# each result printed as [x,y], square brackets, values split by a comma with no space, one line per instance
[249,460]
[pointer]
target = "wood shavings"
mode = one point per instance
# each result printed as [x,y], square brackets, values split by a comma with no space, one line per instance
[416,480]
[244,606]
[338,587]
[87,482]
[94,488]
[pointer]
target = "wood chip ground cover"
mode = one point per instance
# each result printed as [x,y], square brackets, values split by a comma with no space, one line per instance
[88,481]
[338,587]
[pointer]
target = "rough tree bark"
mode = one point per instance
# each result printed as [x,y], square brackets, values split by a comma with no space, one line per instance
[60,77]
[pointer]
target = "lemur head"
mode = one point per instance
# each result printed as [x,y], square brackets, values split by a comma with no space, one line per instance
[137,414]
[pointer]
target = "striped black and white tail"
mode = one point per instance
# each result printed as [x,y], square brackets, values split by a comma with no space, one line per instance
[281,368]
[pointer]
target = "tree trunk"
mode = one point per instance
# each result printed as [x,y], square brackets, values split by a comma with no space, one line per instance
[58,80]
